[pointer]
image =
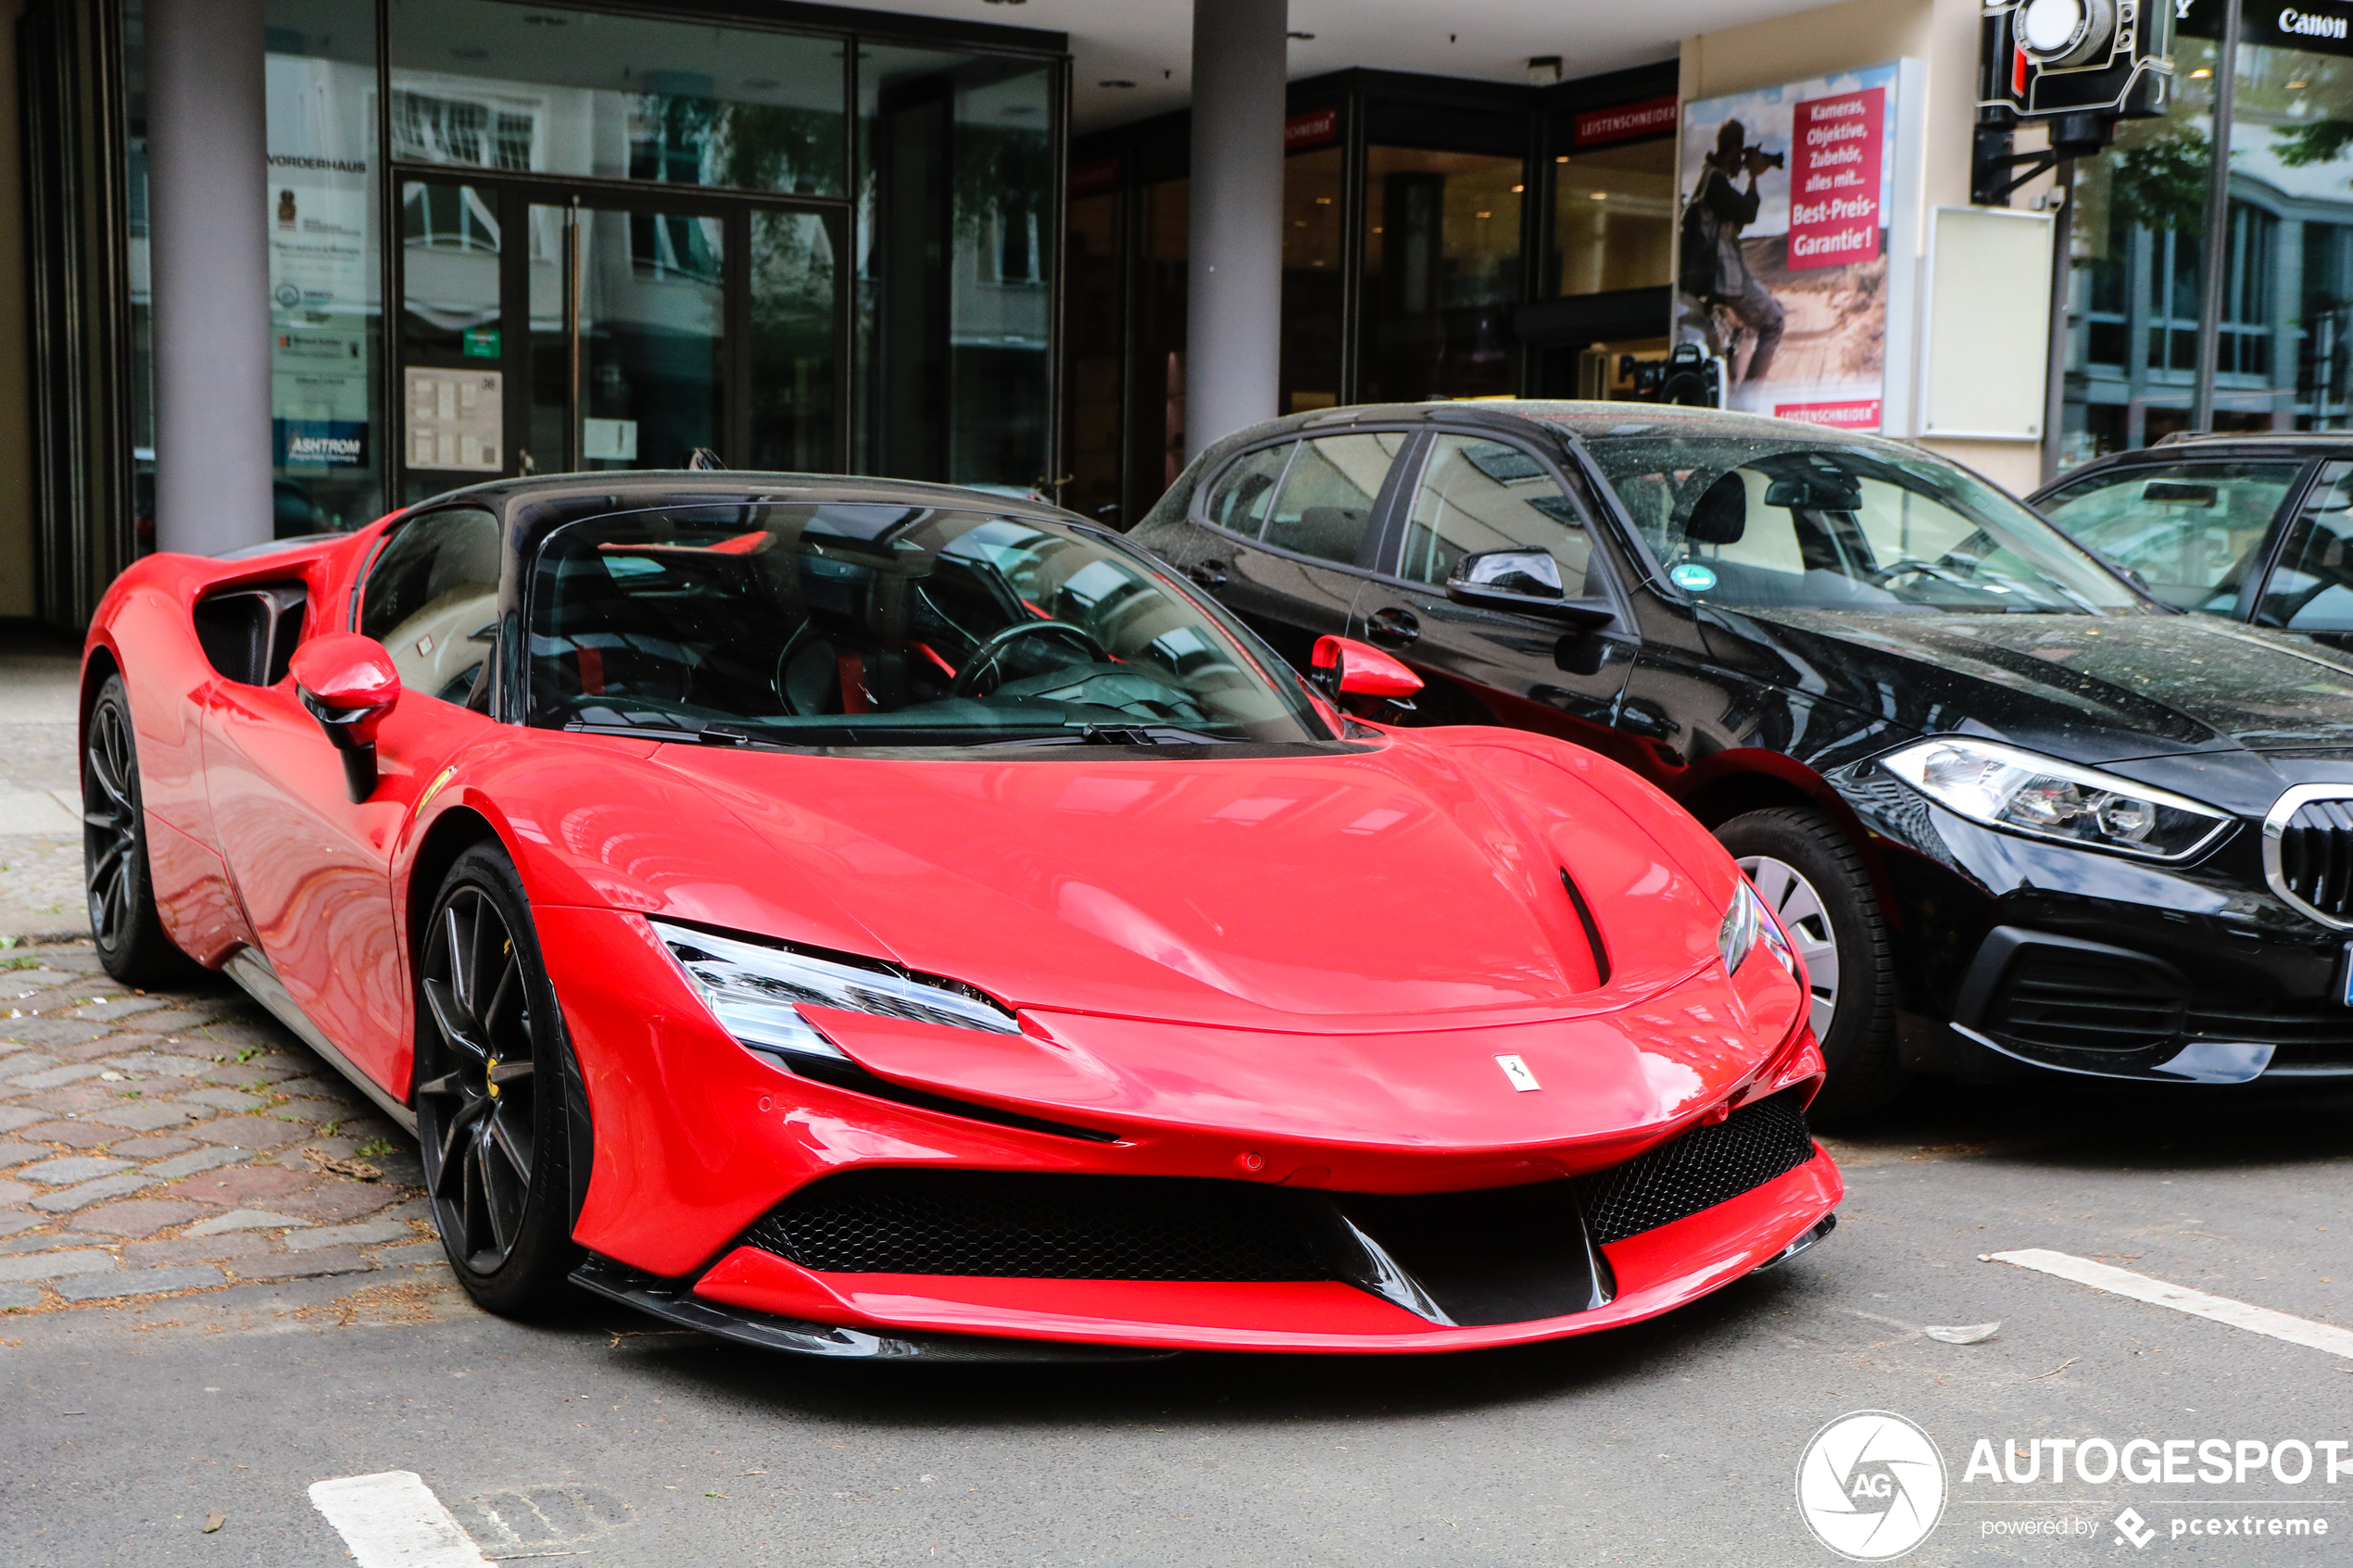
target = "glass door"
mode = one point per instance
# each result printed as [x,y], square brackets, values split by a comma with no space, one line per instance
[547,331]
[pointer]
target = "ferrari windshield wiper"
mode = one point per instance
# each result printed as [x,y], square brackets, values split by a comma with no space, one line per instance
[1122,735]
[714,734]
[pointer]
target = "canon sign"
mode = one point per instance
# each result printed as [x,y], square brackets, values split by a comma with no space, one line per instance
[2308,24]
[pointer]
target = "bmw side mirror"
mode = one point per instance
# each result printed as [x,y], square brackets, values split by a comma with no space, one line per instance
[1524,581]
[1342,666]
[348,684]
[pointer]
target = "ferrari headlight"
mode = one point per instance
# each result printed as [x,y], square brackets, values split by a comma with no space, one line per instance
[2004,787]
[1747,925]
[758,992]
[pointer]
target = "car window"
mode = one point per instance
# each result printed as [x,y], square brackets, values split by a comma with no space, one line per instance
[883,624]
[1823,524]
[1478,494]
[2311,590]
[432,600]
[2191,531]
[1326,502]
[1238,500]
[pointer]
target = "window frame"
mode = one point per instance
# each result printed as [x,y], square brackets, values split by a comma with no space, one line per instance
[1371,547]
[1582,493]
[489,692]
[2258,577]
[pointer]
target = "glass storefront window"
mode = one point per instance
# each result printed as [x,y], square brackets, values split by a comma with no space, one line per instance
[488,85]
[1441,274]
[1156,423]
[143,337]
[794,301]
[1094,261]
[1614,217]
[955,266]
[326,345]
[1314,260]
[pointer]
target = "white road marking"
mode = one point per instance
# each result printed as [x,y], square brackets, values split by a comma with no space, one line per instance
[2197,1303]
[393,1521]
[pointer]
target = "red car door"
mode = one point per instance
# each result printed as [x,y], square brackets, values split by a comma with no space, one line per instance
[313,867]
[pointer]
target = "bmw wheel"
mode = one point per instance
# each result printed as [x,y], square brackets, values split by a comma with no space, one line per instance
[1811,876]
[492,1069]
[116,872]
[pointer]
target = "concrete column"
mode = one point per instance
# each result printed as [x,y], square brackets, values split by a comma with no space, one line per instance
[1234,284]
[207,163]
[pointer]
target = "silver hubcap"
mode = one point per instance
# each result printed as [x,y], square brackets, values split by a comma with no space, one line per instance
[1785,889]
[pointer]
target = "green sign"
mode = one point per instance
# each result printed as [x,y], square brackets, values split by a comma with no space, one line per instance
[481,343]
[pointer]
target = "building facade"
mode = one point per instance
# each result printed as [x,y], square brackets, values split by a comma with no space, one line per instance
[486,237]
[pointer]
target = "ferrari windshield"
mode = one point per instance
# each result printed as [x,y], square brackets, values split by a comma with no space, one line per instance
[863,624]
[1786,524]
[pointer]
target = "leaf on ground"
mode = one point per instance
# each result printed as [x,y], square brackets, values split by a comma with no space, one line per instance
[213,1520]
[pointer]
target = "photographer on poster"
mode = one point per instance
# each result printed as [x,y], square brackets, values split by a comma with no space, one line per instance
[1715,272]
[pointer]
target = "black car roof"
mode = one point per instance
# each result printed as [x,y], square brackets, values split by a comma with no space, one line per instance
[1590,421]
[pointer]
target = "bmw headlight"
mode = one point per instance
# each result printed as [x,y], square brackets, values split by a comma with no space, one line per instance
[1748,925]
[756,992]
[2004,787]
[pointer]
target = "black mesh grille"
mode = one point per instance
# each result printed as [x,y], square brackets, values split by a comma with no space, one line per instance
[2059,996]
[1042,1226]
[1702,1168]
[2316,856]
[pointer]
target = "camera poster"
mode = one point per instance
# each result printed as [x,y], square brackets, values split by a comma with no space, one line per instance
[1784,263]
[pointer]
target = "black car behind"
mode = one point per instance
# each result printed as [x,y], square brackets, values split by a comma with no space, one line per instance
[2020,817]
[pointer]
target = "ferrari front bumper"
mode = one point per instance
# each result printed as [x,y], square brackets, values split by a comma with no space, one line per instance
[757,1296]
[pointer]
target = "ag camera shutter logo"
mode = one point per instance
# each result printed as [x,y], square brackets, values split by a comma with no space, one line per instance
[1870,1485]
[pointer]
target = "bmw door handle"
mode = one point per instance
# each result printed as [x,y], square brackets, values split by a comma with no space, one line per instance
[1210,574]
[1393,627]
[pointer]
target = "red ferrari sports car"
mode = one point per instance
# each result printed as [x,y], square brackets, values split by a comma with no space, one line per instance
[875,919]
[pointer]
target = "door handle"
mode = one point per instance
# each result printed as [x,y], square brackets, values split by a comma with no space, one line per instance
[1394,627]
[1210,574]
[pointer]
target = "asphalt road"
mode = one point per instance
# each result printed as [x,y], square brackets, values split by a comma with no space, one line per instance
[1673,1442]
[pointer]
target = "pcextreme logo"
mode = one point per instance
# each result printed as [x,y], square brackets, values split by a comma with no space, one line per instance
[1870,1485]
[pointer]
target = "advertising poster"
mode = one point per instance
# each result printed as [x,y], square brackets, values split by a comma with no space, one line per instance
[1789,268]
[320,203]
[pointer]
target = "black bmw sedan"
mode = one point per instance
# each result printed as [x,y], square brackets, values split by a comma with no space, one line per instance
[2020,817]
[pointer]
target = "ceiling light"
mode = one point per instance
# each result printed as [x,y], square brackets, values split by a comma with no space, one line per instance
[1486,215]
[2200,75]
[1517,189]
[1323,201]
[1563,158]
[1600,195]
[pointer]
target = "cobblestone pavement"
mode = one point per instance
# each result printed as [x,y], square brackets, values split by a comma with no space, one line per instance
[154,1143]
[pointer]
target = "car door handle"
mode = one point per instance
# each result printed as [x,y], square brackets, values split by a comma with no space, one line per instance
[1394,627]
[1210,574]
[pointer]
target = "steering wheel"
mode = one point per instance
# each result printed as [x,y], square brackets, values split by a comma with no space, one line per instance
[992,648]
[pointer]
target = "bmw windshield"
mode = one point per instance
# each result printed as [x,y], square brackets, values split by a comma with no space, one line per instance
[1780,524]
[884,625]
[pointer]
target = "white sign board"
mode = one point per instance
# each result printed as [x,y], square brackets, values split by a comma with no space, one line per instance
[457,420]
[1985,369]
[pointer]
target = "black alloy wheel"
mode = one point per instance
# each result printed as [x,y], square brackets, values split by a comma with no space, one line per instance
[1811,874]
[492,1064]
[116,873]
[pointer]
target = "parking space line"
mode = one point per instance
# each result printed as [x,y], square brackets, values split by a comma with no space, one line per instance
[393,1521]
[2197,1303]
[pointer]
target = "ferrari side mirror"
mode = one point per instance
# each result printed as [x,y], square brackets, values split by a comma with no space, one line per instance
[348,684]
[1341,665]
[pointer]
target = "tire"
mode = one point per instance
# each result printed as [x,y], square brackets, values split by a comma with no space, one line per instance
[1813,877]
[116,875]
[492,1066]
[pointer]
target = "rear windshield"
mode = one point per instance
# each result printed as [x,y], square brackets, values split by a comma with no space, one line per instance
[864,625]
[1765,525]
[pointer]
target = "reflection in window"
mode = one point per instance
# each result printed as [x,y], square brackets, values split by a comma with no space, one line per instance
[1441,274]
[1478,494]
[1326,501]
[1614,217]
[2311,589]
[1093,342]
[1313,263]
[2189,531]
[498,86]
